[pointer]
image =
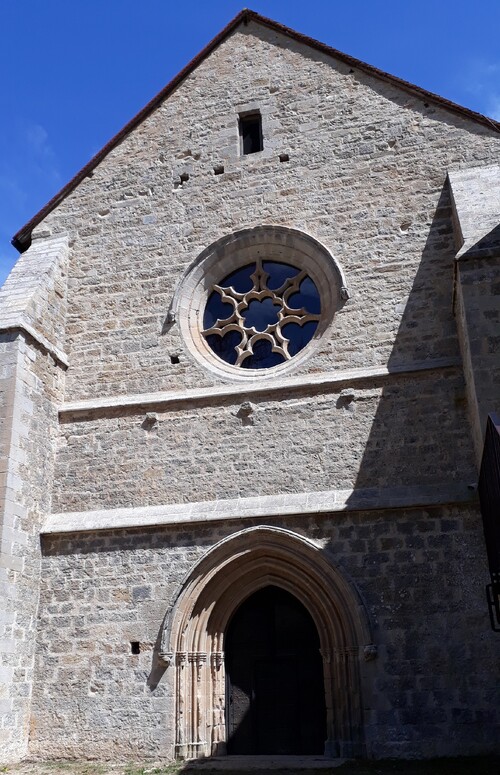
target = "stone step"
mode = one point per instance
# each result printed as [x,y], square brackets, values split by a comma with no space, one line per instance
[278,764]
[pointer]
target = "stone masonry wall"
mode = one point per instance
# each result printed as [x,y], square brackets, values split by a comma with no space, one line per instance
[420,573]
[32,319]
[9,704]
[302,442]
[478,310]
[365,177]
[29,429]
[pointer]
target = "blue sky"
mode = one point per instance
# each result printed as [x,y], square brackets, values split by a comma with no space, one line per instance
[73,72]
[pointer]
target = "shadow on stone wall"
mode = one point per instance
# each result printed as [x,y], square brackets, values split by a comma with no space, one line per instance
[417,436]
[417,567]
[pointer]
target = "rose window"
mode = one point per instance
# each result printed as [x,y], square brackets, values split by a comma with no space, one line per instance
[261,315]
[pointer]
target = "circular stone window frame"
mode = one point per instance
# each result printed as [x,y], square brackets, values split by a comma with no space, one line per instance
[236,250]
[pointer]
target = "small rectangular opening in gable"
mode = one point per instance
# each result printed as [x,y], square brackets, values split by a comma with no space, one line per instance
[250,126]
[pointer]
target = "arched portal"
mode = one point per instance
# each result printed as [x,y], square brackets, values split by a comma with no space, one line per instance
[275,698]
[195,628]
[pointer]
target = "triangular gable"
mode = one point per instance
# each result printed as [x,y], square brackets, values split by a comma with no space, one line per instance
[22,238]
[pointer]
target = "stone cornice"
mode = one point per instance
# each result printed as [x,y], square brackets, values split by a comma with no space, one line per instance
[40,339]
[324,381]
[260,507]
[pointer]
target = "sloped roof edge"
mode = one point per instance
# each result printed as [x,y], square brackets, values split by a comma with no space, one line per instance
[22,238]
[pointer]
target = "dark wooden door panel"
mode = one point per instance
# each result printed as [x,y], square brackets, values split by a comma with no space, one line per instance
[275,694]
[278,722]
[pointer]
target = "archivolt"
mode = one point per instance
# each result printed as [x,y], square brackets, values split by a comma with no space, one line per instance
[194,631]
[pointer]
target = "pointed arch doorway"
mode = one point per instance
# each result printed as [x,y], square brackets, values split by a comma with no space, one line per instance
[275,701]
[193,637]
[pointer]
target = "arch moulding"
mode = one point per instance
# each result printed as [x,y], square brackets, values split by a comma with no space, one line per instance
[193,634]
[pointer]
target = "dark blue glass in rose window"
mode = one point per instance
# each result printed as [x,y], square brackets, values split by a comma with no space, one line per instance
[261,314]
[216,310]
[240,280]
[263,357]
[278,273]
[225,346]
[299,336]
[307,298]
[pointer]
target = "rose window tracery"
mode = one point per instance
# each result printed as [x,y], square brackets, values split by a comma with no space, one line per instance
[261,315]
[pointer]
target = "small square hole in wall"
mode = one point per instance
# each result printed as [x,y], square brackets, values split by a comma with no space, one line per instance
[284,157]
[135,647]
[250,127]
[174,359]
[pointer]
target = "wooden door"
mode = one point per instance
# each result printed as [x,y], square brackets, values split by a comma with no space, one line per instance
[275,694]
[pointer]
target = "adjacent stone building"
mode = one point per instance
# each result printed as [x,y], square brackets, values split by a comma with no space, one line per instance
[247,357]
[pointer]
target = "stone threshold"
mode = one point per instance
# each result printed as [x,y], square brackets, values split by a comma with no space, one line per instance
[241,390]
[260,507]
[261,763]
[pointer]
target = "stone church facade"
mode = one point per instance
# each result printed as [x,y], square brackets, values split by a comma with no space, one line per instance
[247,357]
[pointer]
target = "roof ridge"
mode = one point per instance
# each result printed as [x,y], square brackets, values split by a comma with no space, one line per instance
[22,238]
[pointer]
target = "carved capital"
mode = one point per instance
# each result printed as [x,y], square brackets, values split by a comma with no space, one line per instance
[349,651]
[197,657]
[217,658]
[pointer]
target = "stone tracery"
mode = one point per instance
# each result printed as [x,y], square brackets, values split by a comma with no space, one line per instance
[255,325]
[309,302]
